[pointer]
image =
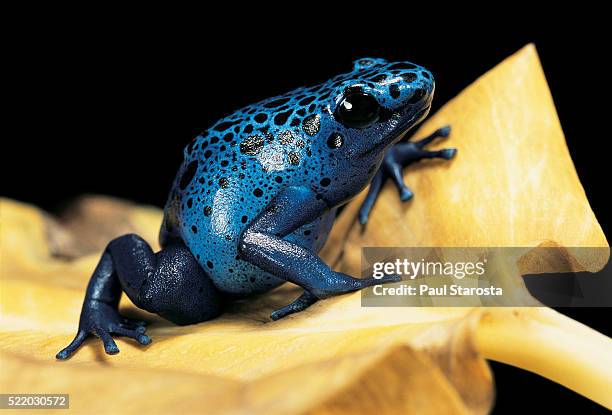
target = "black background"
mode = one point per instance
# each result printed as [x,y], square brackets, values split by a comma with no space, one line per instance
[106,106]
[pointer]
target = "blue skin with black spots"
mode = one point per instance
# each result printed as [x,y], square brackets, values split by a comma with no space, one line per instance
[256,196]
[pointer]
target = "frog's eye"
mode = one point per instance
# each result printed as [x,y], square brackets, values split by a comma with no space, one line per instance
[357,110]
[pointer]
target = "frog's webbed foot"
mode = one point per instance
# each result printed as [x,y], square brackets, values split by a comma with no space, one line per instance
[398,157]
[103,320]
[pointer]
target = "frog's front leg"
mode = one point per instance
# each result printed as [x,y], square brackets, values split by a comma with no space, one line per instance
[262,244]
[398,157]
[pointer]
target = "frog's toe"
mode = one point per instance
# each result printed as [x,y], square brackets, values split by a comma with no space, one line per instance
[363,217]
[440,132]
[368,202]
[448,153]
[137,334]
[110,347]
[133,324]
[301,303]
[406,194]
[134,321]
[395,171]
[444,131]
[73,346]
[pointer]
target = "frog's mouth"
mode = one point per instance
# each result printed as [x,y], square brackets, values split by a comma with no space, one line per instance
[402,127]
[406,126]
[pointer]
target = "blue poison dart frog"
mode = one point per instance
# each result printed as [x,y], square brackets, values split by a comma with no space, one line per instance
[256,196]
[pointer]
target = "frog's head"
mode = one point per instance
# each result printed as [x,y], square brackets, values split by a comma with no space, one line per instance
[375,104]
[343,126]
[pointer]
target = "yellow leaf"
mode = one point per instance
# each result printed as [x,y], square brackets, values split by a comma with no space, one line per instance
[336,357]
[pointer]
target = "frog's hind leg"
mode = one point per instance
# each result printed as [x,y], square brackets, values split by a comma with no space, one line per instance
[398,157]
[170,283]
[178,288]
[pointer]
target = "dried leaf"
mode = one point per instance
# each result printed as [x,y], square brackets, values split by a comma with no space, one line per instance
[335,357]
